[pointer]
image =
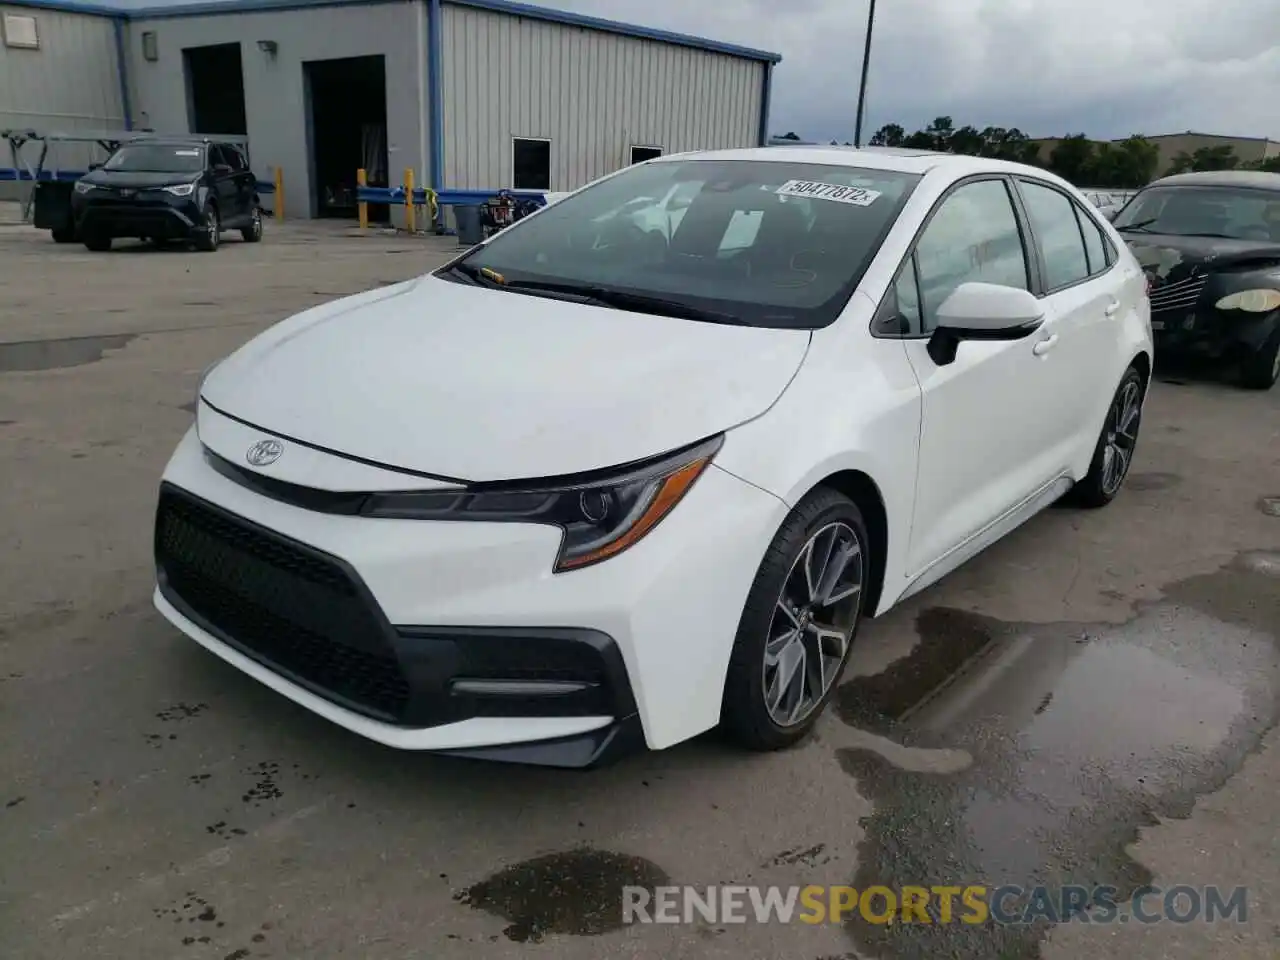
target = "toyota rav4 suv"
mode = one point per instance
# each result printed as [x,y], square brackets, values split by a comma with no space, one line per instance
[163,190]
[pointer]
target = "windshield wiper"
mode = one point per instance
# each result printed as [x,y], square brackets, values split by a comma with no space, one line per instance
[638,302]
[476,275]
[1140,225]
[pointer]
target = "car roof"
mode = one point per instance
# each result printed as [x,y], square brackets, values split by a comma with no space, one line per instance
[1256,179]
[170,141]
[896,159]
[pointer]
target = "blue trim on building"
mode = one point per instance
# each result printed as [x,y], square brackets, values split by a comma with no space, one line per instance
[122,71]
[766,96]
[168,11]
[613,26]
[435,93]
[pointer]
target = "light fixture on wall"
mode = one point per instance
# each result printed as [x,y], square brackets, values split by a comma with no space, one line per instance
[149,49]
[269,47]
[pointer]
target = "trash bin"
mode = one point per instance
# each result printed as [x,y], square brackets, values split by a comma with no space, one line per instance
[470,228]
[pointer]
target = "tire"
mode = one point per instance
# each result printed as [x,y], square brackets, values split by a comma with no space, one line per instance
[1261,370]
[253,232]
[210,229]
[64,234]
[825,522]
[1106,477]
[97,242]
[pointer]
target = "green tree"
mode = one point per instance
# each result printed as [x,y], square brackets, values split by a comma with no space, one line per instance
[1075,159]
[790,135]
[1269,165]
[890,135]
[1206,158]
[969,141]
[1138,160]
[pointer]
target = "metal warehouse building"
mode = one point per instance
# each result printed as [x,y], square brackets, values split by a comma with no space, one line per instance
[469,94]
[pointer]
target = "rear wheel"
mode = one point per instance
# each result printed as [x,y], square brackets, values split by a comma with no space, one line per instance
[63,234]
[1261,370]
[97,242]
[799,623]
[253,232]
[210,229]
[1114,453]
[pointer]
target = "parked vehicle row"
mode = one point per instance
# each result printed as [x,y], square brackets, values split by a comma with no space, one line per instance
[631,468]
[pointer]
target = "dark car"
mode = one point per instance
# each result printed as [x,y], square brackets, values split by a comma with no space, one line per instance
[1210,245]
[172,189]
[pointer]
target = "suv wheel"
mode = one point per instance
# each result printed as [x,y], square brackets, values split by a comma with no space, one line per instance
[97,242]
[253,232]
[63,234]
[210,230]
[1262,369]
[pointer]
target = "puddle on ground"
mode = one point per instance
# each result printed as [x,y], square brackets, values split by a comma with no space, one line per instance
[57,354]
[1080,734]
[576,892]
[1146,482]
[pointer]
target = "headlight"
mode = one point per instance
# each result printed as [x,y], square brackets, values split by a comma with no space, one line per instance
[1251,301]
[601,516]
[82,187]
[181,189]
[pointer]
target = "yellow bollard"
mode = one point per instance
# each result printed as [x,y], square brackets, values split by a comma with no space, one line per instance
[410,210]
[361,205]
[277,208]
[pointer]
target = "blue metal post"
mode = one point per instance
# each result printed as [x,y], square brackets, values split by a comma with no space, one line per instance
[435,96]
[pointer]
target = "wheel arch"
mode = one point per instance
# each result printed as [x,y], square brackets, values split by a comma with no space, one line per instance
[865,493]
[1142,361]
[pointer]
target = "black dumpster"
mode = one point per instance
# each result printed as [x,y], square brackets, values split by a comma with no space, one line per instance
[51,209]
[470,227]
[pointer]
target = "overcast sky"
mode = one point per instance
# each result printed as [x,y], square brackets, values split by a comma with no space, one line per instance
[1103,67]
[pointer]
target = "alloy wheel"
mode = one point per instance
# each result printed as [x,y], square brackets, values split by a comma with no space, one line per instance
[813,623]
[257,222]
[1122,436]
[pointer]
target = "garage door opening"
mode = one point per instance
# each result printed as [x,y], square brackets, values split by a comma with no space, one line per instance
[347,126]
[215,89]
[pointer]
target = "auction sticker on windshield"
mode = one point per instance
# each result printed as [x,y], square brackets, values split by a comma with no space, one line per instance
[858,196]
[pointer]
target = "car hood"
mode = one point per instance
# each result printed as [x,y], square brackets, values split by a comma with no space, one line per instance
[1170,258]
[474,384]
[137,179]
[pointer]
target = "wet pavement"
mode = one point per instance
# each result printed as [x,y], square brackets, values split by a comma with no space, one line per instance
[1091,701]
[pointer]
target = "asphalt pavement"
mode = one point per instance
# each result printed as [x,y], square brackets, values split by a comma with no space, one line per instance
[1092,701]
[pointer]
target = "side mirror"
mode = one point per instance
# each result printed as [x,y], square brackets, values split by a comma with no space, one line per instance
[1112,214]
[222,169]
[983,311]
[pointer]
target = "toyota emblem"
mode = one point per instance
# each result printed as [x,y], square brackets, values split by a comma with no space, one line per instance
[264,453]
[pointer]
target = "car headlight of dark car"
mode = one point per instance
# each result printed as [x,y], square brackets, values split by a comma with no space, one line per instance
[601,515]
[180,189]
[82,187]
[1251,301]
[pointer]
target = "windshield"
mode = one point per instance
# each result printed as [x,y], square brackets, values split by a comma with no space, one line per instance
[1239,213]
[762,243]
[156,158]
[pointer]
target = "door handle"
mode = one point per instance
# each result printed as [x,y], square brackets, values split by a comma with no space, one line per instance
[1045,345]
[1112,308]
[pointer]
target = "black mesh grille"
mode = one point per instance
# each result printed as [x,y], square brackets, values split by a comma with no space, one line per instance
[286,606]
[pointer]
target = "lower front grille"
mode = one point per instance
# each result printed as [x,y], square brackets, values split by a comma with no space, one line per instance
[293,608]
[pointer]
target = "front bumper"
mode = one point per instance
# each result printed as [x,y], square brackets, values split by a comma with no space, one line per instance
[149,213]
[457,637]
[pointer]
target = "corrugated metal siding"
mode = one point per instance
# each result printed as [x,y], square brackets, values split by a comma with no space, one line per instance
[276,112]
[592,94]
[70,83]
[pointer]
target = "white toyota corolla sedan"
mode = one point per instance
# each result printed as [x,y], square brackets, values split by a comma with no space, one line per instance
[598,485]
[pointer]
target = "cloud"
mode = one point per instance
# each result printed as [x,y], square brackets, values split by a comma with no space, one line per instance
[1104,67]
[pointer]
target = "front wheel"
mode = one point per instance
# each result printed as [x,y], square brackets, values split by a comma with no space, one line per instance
[1114,453]
[210,229]
[799,623]
[97,242]
[253,232]
[1262,369]
[63,234]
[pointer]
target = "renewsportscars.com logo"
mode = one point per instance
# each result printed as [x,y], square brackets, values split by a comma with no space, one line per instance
[974,904]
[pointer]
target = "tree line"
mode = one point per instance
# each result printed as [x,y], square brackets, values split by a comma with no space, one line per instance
[1124,164]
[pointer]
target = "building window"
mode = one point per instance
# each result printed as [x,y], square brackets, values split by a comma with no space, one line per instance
[20,31]
[641,154]
[530,164]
